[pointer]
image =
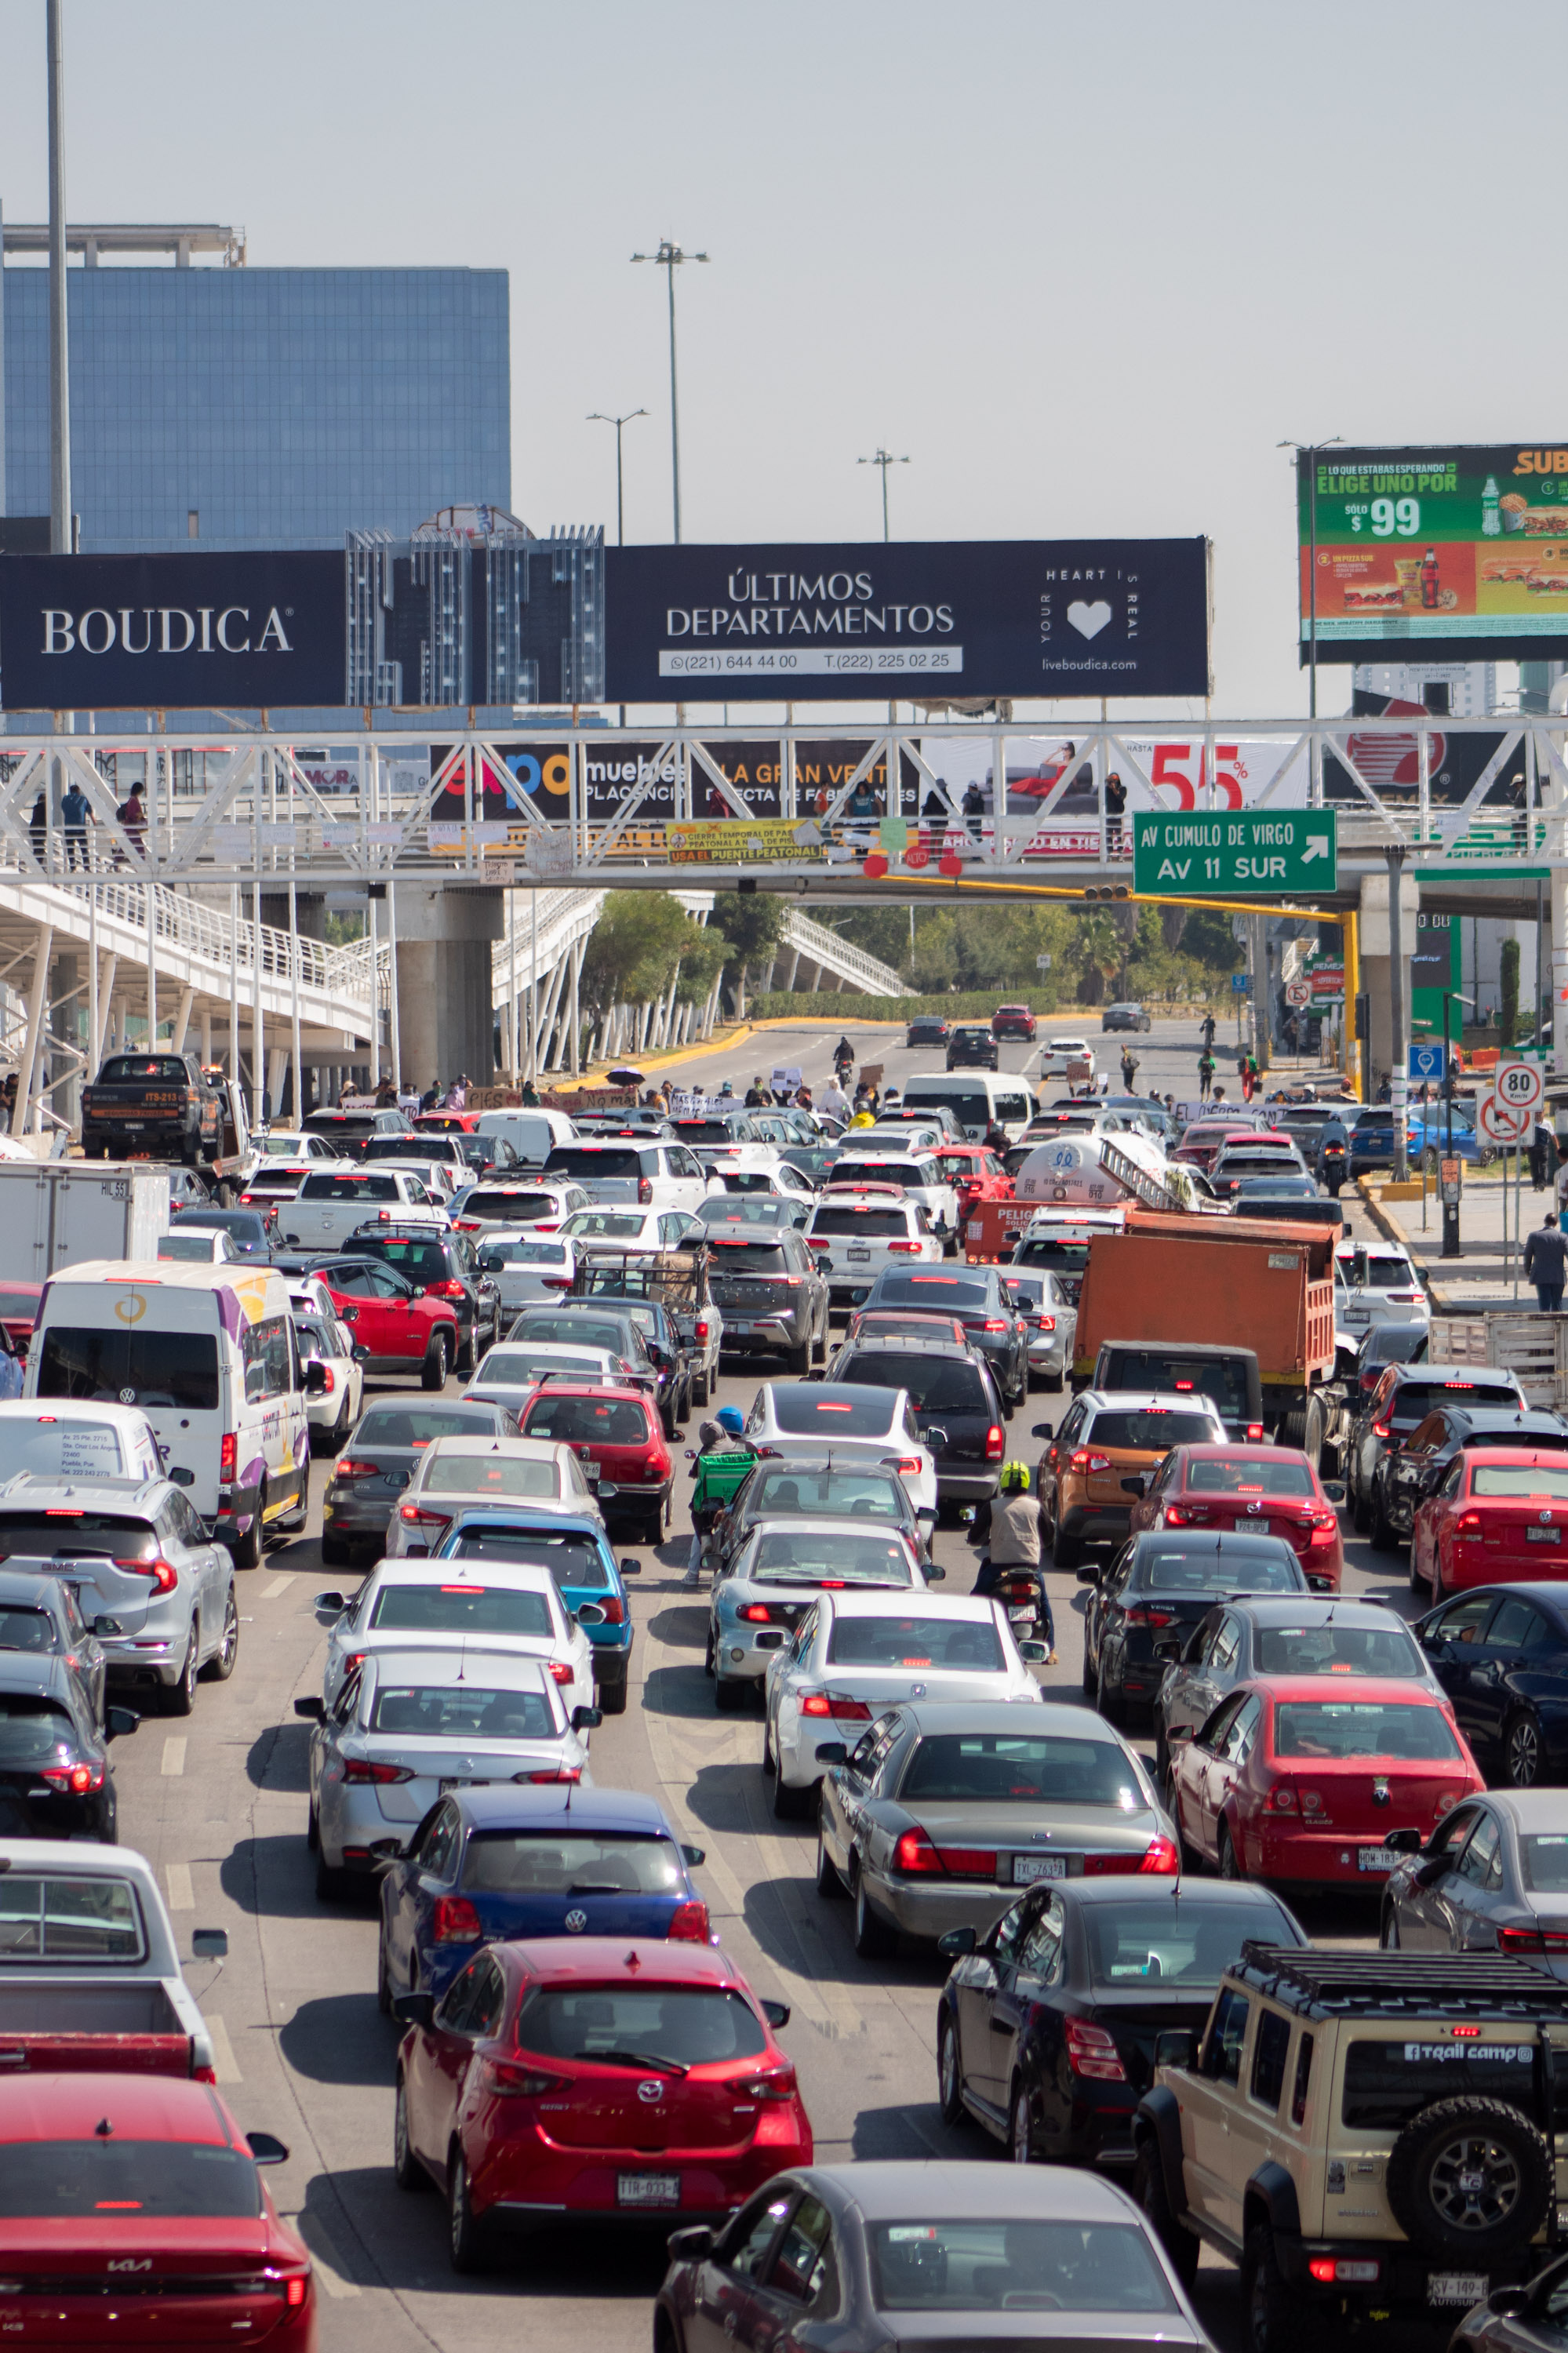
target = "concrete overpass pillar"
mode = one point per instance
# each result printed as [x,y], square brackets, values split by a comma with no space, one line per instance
[1377,971]
[445,1018]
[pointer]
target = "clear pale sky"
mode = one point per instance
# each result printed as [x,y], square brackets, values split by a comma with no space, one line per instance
[1084,264]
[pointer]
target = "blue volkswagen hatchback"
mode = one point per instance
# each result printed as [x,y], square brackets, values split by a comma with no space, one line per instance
[489,1866]
[587,1576]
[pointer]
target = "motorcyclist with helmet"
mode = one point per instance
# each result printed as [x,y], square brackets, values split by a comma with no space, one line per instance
[1008,1527]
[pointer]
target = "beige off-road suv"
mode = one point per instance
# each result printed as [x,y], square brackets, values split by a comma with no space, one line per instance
[1366,2133]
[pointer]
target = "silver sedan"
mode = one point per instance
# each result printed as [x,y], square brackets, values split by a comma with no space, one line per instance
[1053,1320]
[759,1598]
[1493,1877]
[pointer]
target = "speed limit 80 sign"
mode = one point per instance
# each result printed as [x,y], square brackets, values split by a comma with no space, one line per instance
[1520,1086]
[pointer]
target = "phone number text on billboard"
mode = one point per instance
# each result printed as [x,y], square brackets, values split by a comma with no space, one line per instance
[754,661]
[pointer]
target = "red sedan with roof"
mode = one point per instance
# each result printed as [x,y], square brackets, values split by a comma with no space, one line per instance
[131,2212]
[1500,1516]
[616,1433]
[590,2075]
[1270,1491]
[1288,1782]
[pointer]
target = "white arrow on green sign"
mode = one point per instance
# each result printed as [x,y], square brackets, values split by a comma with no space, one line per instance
[1234,853]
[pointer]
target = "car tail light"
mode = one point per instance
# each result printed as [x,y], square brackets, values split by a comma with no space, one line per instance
[915,1853]
[778,2084]
[1184,1385]
[227,1457]
[644,1189]
[1092,2051]
[909,1249]
[758,1613]
[414,1517]
[362,1769]
[1147,1613]
[1325,1527]
[1380,1428]
[294,2287]
[347,1467]
[555,1282]
[814,1242]
[445,1291]
[1371,1379]
[688,1923]
[561,1670]
[994,1323]
[1160,1855]
[1176,1515]
[995,1443]
[1255,1430]
[465,1225]
[329,1379]
[1312,1801]
[1083,1460]
[1447,1800]
[909,1465]
[1047,1323]
[165,1576]
[551,1773]
[1533,1940]
[1468,1523]
[1280,1800]
[502,2076]
[453,1921]
[614,1610]
[1328,2269]
[73,1780]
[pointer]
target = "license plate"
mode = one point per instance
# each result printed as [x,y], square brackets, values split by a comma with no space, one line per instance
[1377,1858]
[133,1126]
[1027,1867]
[1020,1611]
[1544,1535]
[648,2188]
[463,1785]
[1455,2287]
[855,1253]
[590,1473]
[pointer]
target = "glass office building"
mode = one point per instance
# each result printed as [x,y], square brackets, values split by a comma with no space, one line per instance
[252,408]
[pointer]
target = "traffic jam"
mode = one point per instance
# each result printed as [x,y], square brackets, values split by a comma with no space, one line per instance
[786,1641]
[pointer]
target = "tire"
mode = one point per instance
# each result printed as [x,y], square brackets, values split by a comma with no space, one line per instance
[829,1883]
[383,1979]
[1229,1862]
[1180,2244]
[312,1832]
[656,1525]
[949,2073]
[1458,2141]
[1523,1762]
[799,1360]
[437,1364]
[465,2239]
[1091,1675]
[729,1694]
[1412,1575]
[179,1699]
[1312,1432]
[1383,1533]
[1020,2129]
[1161,1755]
[700,1387]
[789,1805]
[1360,1517]
[874,1939]
[1113,1707]
[467,1357]
[1277,2320]
[406,2171]
[247,1552]
[819,1346]
[329,1882]
[1065,1550]
[611,1694]
[299,1519]
[220,1666]
[334,1553]
[1388,1930]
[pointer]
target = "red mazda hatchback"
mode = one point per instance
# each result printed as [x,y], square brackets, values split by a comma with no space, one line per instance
[585,2075]
[1259,1490]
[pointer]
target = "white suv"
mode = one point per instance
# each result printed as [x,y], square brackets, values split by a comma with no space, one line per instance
[1067,1057]
[1376,1285]
[631,1167]
[919,1173]
[856,1233]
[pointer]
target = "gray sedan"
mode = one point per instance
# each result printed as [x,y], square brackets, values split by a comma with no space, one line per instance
[1493,1877]
[941,1812]
[378,1459]
[760,1598]
[1047,1308]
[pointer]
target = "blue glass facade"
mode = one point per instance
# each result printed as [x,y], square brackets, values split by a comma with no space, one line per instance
[282,406]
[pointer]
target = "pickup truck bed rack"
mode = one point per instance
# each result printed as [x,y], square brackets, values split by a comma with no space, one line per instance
[1389,1985]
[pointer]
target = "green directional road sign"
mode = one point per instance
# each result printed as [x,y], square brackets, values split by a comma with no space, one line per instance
[1234,853]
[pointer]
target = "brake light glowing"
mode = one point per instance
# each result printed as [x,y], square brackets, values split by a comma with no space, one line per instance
[994,1323]
[227,1457]
[995,1444]
[688,1923]
[909,1249]
[73,1780]
[347,1467]
[915,1853]
[362,1769]
[1254,1429]
[1092,2051]
[1468,1523]
[1083,1460]
[416,1516]
[1144,1613]
[1527,1940]
[1184,1385]
[554,1773]
[165,1576]
[561,1669]
[454,1920]
[1380,1428]
[644,1189]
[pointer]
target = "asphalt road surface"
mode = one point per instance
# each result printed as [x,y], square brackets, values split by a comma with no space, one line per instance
[217,1802]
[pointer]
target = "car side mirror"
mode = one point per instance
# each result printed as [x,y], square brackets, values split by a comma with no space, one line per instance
[957,1943]
[1041,1430]
[935,1573]
[1176,2046]
[587,1719]
[336,1602]
[695,1855]
[588,1613]
[831,1752]
[1335,1491]
[1033,1654]
[690,2245]
[210,1944]
[315,1378]
[1168,1647]
[267,2149]
[120,1722]
[1138,1485]
[1508,2302]
[312,1709]
[413,2009]
[1403,1842]
[777,2013]
[631,1568]
[180,1477]
[102,1625]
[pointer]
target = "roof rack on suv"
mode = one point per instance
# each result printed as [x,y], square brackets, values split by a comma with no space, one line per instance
[1390,1984]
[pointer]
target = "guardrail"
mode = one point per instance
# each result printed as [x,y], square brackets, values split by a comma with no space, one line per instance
[821,944]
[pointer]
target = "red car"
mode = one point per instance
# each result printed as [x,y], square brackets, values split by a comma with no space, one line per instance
[143,2189]
[1013,1022]
[1271,1491]
[1286,1781]
[1202,1143]
[617,1434]
[1500,1515]
[401,1328]
[590,2075]
[447,1123]
[976,1175]
[19,1312]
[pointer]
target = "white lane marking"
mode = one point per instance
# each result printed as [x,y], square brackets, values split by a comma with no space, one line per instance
[182,1895]
[278,1585]
[173,1755]
[225,2065]
[329,2262]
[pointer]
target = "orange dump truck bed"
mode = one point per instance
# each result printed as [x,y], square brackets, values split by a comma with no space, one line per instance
[1236,1282]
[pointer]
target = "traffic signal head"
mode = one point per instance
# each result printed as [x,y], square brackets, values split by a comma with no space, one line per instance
[1107,891]
[1363,1016]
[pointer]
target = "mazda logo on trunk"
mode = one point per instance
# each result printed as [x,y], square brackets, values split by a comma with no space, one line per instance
[651,2091]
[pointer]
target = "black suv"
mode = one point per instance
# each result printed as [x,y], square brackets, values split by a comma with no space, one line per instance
[771,1292]
[446,1266]
[953,1392]
[928,1030]
[1404,1396]
[972,1046]
[1406,1473]
[978,1296]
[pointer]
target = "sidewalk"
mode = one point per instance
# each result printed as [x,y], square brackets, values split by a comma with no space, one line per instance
[1483,1274]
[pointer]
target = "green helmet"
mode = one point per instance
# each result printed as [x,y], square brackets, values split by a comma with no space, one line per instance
[1014,1478]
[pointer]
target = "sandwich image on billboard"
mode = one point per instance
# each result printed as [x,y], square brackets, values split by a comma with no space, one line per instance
[1453,553]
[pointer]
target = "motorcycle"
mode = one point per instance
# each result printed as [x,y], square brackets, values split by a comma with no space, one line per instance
[1334,1165]
[1018,1591]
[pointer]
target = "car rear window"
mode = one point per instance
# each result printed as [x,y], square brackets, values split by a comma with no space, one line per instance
[831,1558]
[73,1533]
[1543,1861]
[1151,1429]
[32,1731]
[968,1643]
[1346,1727]
[418,1425]
[1335,1649]
[1414,1401]
[1529,1481]
[422,1262]
[937,1291]
[1016,2266]
[61,1446]
[761,1209]
[1162,1945]
[936,1384]
[624,2027]
[465,1711]
[121,2179]
[610,1421]
[1387,1274]
[487,1474]
[861,1225]
[460,1608]
[1255,1475]
[1223,1378]
[66,1920]
[1270,1567]
[174,1369]
[1060,1257]
[991,1767]
[883,1169]
[1387,2084]
[572,1559]
[322,1187]
[802,1410]
[495,1256]
[125,1070]
[509,1206]
[781,1494]
[600,1161]
[517,1367]
[749,1257]
[585,1862]
[582,1331]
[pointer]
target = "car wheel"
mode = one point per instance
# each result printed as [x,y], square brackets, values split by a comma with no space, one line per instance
[382,1977]
[610,1694]
[799,1359]
[1277,2317]
[875,1940]
[1415,1578]
[1360,1517]
[829,1883]
[246,1550]
[1384,1534]
[708,1655]
[1091,1675]
[1020,2130]
[729,1694]
[656,1526]
[1162,1753]
[1229,1863]
[819,1347]
[1149,2192]
[437,1364]
[329,1882]
[700,1387]
[1388,1930]
[312,1830]
[949,2073]
[180,1698]
[406,2171]
[1112,1705]
[789,1805]
[1522,1759]
[220,1666]
[465,2241]
[1065,1550]
[334,1553]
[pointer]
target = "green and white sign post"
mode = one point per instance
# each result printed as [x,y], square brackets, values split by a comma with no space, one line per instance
[1234,853]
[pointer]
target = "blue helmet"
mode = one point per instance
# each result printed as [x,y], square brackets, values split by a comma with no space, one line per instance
[729,1418]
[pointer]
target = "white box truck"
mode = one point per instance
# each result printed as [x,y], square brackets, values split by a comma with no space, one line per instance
[54,1213]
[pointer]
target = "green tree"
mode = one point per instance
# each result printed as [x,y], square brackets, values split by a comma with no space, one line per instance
[635,946]
[752,924]
[1508,987]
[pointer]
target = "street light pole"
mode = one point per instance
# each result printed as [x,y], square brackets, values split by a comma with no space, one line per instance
[882,460]
[1308,449]
[599,418]
[669,258]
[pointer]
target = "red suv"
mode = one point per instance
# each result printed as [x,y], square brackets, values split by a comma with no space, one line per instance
[637,2079]
[397,1328]
[149,2178]
[616,1434]
[1013,1022]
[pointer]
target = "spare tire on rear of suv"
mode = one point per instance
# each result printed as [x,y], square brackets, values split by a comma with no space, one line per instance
[1470,2180]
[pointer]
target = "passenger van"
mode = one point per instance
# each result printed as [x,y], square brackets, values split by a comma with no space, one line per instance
[532,1134]
[208,1353]
[976,1098]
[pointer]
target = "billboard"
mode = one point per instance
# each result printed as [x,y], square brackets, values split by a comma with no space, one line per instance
[1453,553]
[938,617]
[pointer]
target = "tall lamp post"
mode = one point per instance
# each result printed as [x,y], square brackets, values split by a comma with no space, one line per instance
[599,418]
[884,460]
[1308,449]
[669,258]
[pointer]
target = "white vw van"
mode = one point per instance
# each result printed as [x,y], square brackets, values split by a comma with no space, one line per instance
[976,1098]
[208,1353]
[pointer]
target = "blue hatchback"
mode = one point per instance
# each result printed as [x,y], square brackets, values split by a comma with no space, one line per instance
[589,1580]
[488,1865]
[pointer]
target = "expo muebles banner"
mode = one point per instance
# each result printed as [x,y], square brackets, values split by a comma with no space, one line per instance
[1456,553]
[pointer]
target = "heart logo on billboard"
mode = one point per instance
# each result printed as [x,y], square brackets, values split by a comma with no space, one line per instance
[1089,619]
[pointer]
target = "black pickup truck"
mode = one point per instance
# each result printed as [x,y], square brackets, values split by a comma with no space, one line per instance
[163,1107]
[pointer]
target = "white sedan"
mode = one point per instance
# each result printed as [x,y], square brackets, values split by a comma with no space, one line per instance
[526,1264]
[863,1425]
[502,1604]
[509,1376]
[616,1230]
[854,1654]
[333,1410]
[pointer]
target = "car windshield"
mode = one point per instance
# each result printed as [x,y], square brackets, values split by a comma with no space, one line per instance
[1154,1430]
[834,1495]
[803,1410]
[1015,2266]
[174,1369]
[1030,1768]
[626,2026]
[804,1558]
[1250,1474]
[585,1862]
[1254,1567]
[67,1919]
[863,1224]
[465,1711]
[572,1560]
[936,1384]
[1335,1649]
[460,1608]
[420,1425]
[1530,1482]
[1170,1944]
[588,1421]
[488,1474]
[1346,1728]
[119,2181]
[967,1644]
